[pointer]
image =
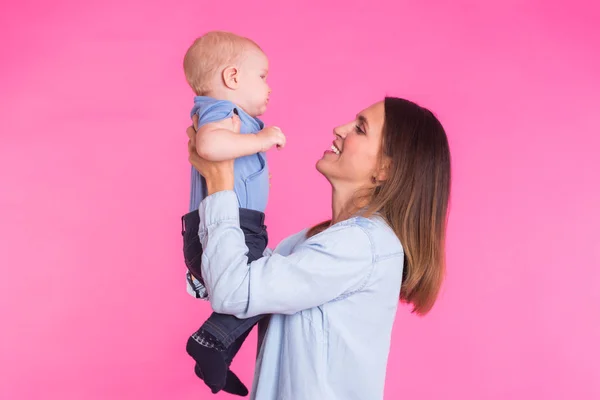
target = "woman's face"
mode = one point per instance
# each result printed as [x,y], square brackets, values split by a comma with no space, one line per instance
[352,161]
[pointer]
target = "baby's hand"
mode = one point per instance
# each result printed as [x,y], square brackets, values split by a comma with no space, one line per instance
[271,136]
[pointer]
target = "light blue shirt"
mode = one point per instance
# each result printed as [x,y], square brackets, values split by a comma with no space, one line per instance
[251,172]
[333,298]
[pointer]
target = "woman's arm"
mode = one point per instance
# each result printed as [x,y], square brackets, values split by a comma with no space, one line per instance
[330,265]
[197,289]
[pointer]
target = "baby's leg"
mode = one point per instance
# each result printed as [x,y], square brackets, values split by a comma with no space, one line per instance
[215,344]
[192,252]
[226,329]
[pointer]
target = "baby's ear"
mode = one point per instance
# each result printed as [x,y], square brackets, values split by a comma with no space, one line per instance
[231,77]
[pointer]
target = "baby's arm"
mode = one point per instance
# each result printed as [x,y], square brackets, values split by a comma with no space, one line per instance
[219,141]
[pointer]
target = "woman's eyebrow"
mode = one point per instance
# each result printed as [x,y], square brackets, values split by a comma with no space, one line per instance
[362,120]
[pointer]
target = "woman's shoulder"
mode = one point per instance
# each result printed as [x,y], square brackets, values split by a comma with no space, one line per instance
[382,238]
[287,245]
[358,234]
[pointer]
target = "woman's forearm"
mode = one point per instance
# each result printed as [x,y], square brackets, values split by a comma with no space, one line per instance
[319,270]
[219,181]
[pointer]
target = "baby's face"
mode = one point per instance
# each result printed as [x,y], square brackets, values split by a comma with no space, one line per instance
[253,91]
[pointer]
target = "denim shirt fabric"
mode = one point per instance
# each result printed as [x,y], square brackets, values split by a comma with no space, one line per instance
[333,298]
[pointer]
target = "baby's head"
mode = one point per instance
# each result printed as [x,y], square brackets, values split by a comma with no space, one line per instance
[229,67]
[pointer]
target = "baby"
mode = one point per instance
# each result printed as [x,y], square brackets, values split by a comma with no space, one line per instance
[228,73]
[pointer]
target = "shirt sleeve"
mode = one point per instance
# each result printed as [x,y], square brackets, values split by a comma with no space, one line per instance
[197,290]
[214,111]
[332,264]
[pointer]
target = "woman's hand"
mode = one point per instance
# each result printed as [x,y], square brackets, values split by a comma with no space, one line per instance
[218,174]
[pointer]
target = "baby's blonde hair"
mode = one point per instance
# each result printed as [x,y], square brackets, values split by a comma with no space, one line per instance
[210,52]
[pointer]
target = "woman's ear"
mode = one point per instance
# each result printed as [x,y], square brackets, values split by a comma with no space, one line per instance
[384,169]
[231,77]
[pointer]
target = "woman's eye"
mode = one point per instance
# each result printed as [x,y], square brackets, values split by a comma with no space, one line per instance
[359,129]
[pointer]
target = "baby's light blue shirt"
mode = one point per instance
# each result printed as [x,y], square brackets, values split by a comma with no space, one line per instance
[251,172]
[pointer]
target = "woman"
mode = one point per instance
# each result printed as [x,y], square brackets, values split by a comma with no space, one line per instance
[333,290]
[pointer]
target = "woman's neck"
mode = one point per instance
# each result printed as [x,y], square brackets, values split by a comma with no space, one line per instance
[343,205]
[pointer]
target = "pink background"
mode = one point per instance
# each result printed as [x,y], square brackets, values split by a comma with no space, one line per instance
[94,178]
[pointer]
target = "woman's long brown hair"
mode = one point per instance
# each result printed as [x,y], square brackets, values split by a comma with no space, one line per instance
[413,199]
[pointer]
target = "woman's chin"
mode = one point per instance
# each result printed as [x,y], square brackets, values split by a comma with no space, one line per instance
[321,166]
[326,168]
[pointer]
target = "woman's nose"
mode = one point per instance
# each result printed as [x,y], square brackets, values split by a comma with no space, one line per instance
[339,132]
